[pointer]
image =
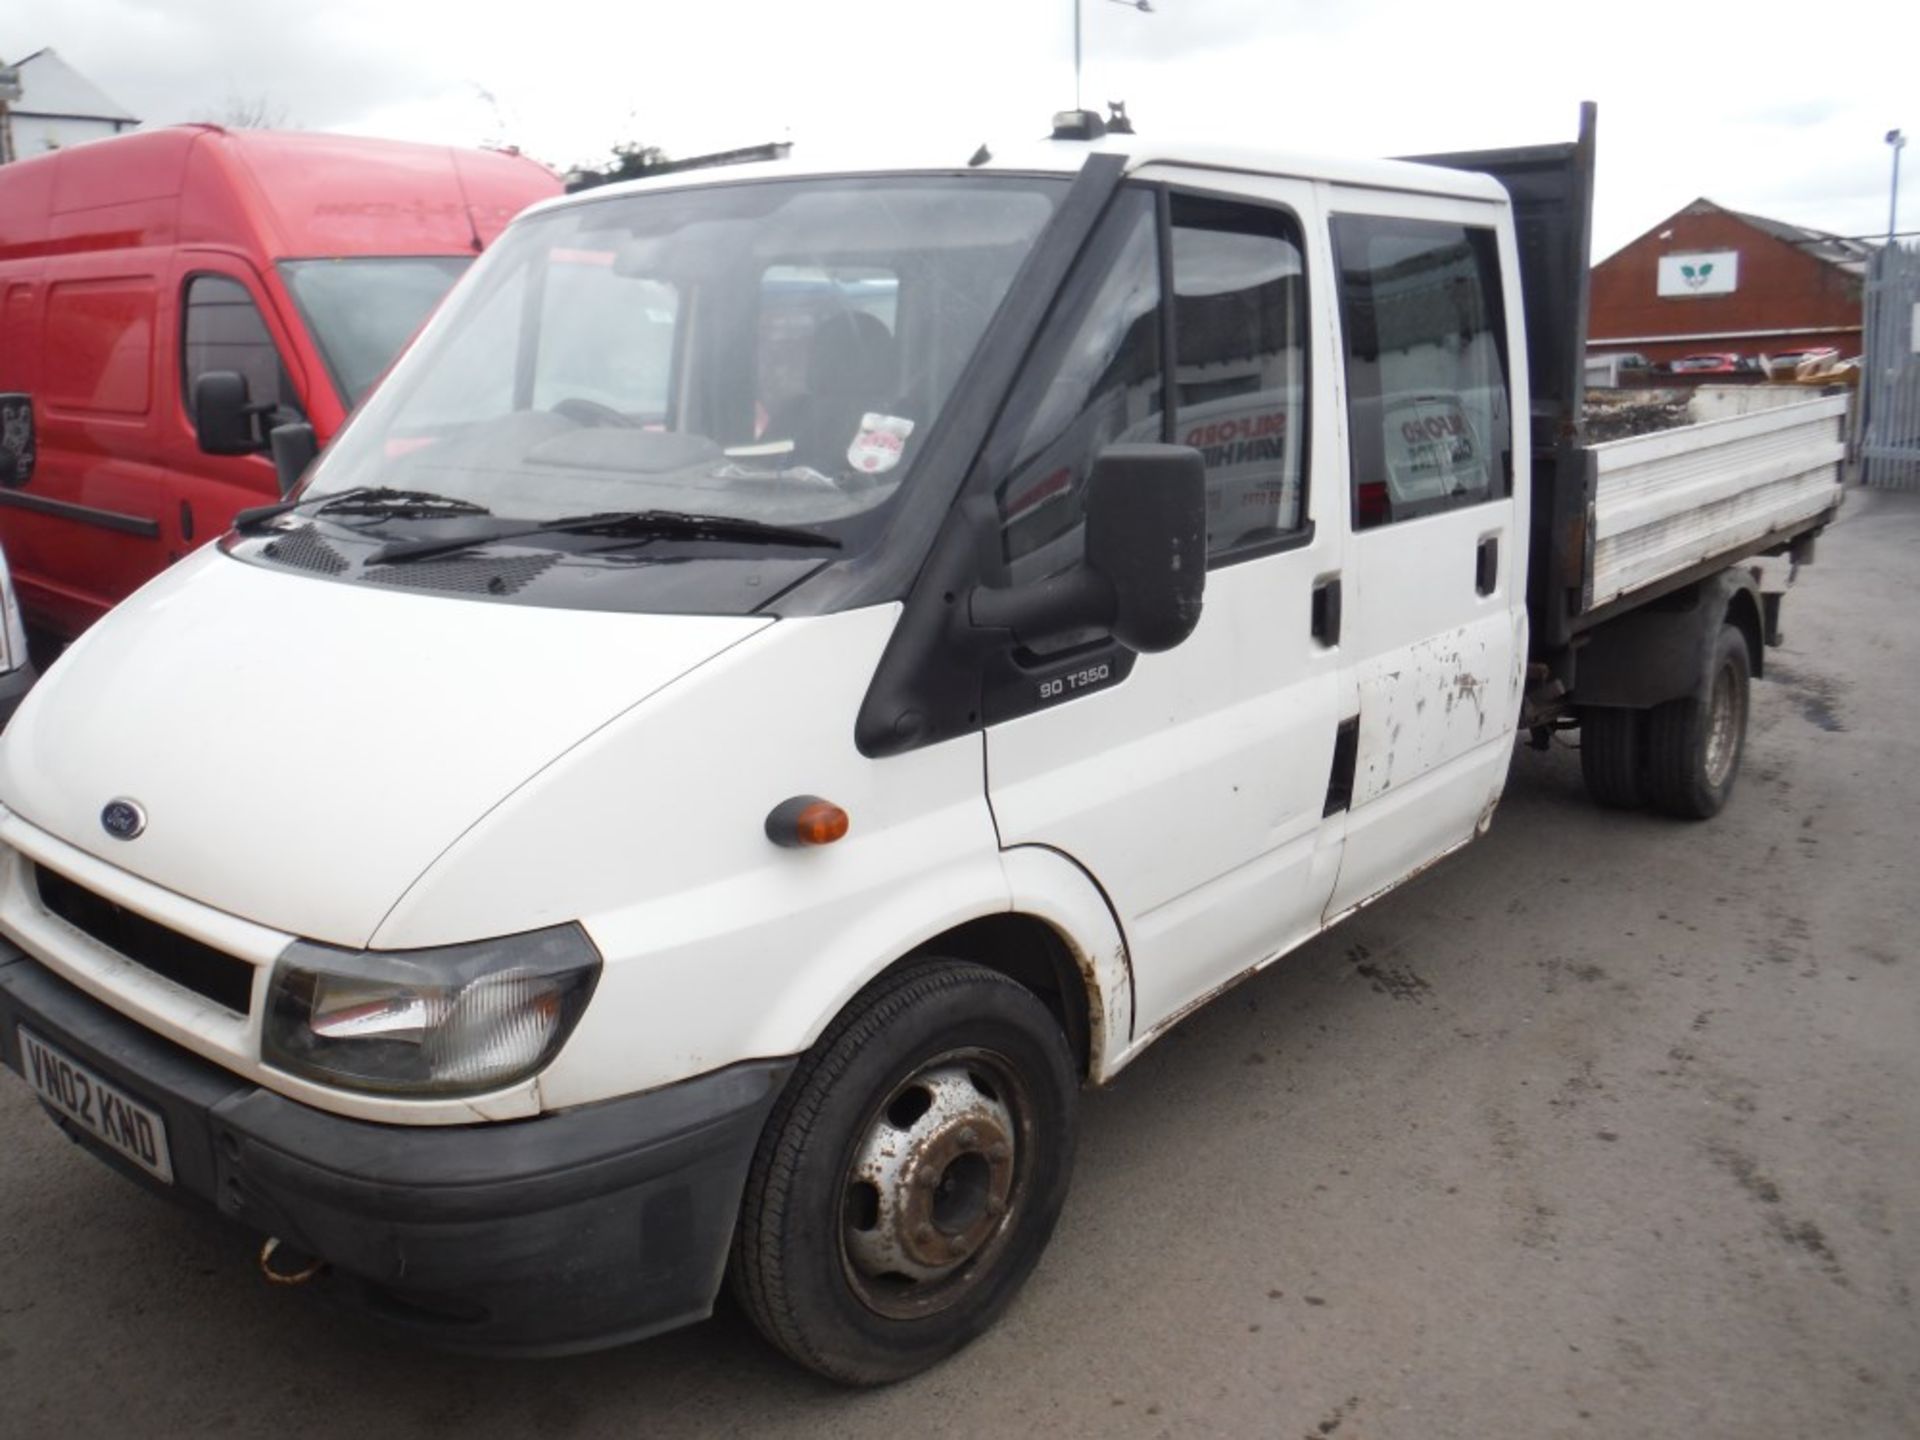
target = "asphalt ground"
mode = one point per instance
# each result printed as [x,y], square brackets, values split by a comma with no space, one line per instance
[1609,1126]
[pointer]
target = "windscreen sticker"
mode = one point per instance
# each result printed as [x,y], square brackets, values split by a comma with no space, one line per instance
[878,446]
[1432,448]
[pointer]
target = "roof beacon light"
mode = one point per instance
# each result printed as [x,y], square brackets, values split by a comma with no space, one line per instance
[1078,125]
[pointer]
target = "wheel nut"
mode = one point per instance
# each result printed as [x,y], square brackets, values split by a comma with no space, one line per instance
[998,1150]
[923,1232]
[967,1135]
[956,1247]
[996,1207]
[927,1177]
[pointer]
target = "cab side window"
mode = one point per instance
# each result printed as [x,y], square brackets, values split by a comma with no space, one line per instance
[1103,384]
[222,329]
[1240,367]
[1426,362]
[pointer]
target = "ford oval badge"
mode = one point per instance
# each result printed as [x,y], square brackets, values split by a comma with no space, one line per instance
[123,819]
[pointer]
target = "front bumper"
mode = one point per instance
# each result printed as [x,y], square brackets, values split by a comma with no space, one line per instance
[565,1232]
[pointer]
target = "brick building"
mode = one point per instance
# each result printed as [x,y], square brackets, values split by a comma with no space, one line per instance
[1712,279]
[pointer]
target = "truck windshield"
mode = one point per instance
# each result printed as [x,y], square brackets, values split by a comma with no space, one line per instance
[772,351]
[363,309]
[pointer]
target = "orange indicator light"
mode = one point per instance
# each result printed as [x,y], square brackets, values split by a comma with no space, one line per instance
[806,820]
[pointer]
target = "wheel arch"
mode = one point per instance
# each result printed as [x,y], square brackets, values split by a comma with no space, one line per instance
[1744,614]
[1660,652]
[1033,955]
[1054,933]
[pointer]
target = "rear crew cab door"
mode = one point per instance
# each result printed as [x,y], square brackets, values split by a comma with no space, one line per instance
[1191,784]
[1432,367]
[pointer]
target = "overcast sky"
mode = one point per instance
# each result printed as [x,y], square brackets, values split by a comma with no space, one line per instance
[1770,107]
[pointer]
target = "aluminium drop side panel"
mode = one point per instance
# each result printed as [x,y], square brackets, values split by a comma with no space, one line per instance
[1672,500]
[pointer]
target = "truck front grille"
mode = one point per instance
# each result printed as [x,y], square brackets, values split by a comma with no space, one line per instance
[167,953]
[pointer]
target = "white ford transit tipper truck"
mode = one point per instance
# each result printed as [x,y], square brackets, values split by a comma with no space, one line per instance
[798,671]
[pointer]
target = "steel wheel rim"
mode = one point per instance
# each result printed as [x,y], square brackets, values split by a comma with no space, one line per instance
[1723,726]
[934,1184]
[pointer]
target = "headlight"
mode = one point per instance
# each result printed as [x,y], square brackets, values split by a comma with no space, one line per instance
[452,1021]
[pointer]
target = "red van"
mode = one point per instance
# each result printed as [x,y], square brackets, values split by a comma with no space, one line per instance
[131,267]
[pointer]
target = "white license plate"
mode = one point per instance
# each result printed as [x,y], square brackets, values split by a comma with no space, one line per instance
[104,1111]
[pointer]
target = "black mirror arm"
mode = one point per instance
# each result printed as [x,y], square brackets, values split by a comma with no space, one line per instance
[1077,599]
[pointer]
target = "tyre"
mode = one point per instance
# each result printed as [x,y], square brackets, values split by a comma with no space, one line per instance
[1694,745]
[1612,753]
[910,1176]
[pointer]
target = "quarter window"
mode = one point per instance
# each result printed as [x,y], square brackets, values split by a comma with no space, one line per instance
[1426,366]
[223,330]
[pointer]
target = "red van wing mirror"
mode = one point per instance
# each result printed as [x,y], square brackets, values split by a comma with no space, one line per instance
[224,418]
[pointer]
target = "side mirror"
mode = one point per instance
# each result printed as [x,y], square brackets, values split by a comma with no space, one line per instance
[1145,570]
[1147,534]
[294,447]
[223,414]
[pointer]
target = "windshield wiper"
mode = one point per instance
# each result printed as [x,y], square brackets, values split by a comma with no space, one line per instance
[377,500]
[618,524]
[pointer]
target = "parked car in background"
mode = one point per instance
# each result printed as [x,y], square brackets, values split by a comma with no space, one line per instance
[1818,357]
[1712,364]
[132,268]
[1608,370]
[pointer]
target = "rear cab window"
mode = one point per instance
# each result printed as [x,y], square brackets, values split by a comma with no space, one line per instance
[1424,331]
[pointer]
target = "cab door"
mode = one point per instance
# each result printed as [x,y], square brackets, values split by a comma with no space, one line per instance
[225,321]
[1191,785]
[1431,363]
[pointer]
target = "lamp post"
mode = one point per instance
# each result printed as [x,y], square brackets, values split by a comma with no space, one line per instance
[1141,5]
[1898,141]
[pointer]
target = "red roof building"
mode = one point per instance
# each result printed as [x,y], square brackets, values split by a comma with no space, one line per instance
[1709,279]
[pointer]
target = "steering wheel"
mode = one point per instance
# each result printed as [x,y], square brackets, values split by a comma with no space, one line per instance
[591,412]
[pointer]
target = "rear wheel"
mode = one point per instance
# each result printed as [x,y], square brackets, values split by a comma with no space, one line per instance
[1612,756]
[1694,744]
[911,1175]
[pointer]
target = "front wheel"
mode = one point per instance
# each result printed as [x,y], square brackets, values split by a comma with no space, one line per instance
[1694,744]
[910,1176]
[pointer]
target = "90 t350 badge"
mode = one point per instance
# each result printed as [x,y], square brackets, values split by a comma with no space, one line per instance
[16,439]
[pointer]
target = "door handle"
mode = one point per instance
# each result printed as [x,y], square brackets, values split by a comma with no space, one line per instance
[1326,610]
[1486,565]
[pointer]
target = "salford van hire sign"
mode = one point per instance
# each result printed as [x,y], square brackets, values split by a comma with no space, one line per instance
[1714,274]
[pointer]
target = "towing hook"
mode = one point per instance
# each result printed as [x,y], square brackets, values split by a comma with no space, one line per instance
[286,1277]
